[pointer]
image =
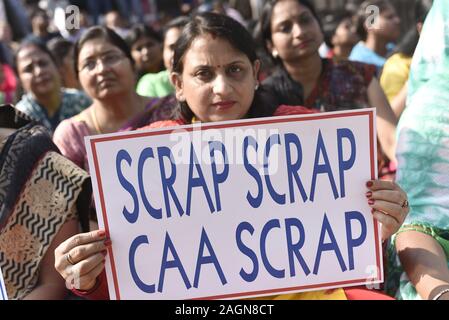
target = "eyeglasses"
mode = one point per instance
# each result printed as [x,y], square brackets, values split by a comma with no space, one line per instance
[107,60]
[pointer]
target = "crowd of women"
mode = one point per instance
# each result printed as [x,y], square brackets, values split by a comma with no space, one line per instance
[208,67]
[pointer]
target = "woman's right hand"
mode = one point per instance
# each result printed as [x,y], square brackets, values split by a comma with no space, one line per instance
[80,259]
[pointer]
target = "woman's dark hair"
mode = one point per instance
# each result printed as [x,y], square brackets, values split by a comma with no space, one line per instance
[3,59]
[422,8]
[33,42]
[408,44]
[286,91]
[330,24]
[60,48]
[219,26]
[38,12]
[364,14]
[178,23]
[142,31]
[228,29]
[103,33]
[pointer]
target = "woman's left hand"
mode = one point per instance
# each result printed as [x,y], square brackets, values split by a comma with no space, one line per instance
[390,205]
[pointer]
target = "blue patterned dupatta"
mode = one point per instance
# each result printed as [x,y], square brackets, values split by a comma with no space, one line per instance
[39,191]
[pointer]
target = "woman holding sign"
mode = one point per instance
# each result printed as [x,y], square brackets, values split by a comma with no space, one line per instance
[291,33]
[215,75]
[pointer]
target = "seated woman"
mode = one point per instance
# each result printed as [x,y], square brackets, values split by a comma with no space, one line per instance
[215,73]
[291,33]
[146,49]
[422,244]
[45,100]
[43,197]
[106,71]
[158,84]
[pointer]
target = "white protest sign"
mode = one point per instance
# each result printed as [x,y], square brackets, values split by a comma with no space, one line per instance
[239,209]
[3,293]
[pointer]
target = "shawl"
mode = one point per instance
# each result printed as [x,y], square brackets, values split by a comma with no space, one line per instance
[39,191]
[423,130]
[423,144]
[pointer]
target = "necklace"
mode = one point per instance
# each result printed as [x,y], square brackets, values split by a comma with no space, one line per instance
[95,121]
[93,115]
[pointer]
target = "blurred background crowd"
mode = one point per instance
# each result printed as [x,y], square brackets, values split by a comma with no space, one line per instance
[48,20]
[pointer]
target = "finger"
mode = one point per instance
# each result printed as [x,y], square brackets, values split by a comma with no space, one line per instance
[389,225]
[375,185]
[87,281]
[87,265]
[67,270]
[73,274]
[391,209]
[392,196]
[81,239]
[83,252]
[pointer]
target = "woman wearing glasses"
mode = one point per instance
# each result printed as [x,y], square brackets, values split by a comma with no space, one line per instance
[106,71]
